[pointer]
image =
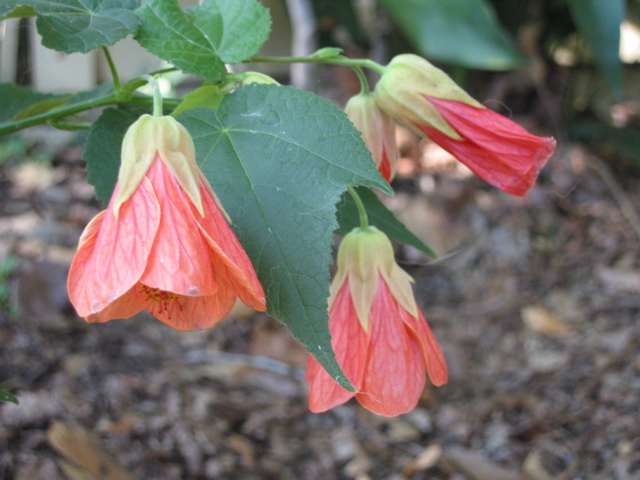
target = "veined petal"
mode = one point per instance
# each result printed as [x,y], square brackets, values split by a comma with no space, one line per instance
[126,306]
[186,312]
[496,149]
[228,254]
[113,252]
[395,371]
[181,261]
[349,341]
[433,357]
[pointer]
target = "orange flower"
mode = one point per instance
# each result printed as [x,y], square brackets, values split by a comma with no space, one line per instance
[382,341]
[414,92]
[378,132]
[163,243]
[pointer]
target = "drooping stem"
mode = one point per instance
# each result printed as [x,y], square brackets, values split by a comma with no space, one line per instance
[364,82]
[364,218]
[157,95]
[112,69]
[337,60]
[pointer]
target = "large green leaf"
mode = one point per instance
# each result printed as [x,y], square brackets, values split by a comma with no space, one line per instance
[200,39]
[462,32]
[77,25]
[599,23]
[279,158]
[379,216]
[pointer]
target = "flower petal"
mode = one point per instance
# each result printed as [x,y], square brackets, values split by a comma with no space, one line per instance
[495,148]
[186,312]
[113,252]
[229,256]
[433,357]
[349,342]
[395,371]
[181,261]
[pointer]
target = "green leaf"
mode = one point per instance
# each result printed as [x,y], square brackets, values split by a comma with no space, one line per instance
[379,216]
[279,158]
[462,32]
[15,99]
[7,397]
[77,25]
[102,152]
[599,23]
[200,39]
[208,96]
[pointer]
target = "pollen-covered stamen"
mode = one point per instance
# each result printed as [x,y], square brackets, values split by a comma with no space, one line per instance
[159,299]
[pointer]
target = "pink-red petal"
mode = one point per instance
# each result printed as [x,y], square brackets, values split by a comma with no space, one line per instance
[113,252]
[395,371]
[495,148]
[349,342]
[181,261]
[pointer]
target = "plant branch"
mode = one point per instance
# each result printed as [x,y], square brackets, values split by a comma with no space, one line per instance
[333,60]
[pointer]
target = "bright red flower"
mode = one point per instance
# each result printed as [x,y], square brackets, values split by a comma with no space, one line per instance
[381,339]
[163,243]
[378,132]
[423,97]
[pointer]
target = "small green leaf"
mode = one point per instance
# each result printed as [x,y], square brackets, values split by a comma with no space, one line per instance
[208,96]
[599,24]
[279,158]
[77,25]
[102,151]
[462,32]
[7,397]
[200,39]
[15,99]
[379,216]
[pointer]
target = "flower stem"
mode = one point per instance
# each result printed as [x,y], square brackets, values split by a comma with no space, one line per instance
[157,95]
[364,218]
[337,60]
[112,69]
[364,82]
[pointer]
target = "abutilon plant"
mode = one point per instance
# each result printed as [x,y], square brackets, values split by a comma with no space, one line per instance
[381,338]
[163,243]
[281,160]
[421,96]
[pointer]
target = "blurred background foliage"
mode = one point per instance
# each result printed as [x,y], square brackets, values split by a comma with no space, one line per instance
[578,59]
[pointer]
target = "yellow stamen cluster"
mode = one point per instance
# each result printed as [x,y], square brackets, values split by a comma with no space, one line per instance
[161,298]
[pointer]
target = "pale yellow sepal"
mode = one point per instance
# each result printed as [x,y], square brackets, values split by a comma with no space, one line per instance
[166,137]
[401,89]
[364,255]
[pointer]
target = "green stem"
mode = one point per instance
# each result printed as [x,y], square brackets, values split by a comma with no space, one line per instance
[54,116]
[112,69]
[364,218]
[364,82]
[157,95]
[351,62]
[58,113]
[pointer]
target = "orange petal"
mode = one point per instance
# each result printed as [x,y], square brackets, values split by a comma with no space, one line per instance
[186,312]
[395,372]
[229,255]
[349,342]
[126,306]
[113,252]
[181,261]
[436,364]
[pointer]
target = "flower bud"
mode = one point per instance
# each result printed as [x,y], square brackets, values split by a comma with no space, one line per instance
[378,132]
